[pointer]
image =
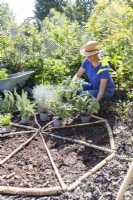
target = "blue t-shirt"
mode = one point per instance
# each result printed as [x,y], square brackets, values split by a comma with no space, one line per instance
[95,78]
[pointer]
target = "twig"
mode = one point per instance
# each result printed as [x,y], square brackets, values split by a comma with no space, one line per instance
[10,175]
[53,164]
[18,149]
[30,191]
[92,171]
[82,142]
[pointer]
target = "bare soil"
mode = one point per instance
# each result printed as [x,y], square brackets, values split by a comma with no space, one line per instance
[31,166]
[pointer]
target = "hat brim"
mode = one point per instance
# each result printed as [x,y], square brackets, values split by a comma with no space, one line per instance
[84,53]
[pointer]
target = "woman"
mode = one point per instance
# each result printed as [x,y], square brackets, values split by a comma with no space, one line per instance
[101,84]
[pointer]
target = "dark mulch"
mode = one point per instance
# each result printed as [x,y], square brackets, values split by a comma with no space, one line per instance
[31,167]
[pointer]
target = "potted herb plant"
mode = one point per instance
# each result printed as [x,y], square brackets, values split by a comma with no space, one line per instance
[25,106]
[68,90]
[7,103]
[85,104]
[5,121]
[61,111]
[42,94]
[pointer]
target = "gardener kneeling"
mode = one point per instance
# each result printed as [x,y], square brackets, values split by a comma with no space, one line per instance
[101,84]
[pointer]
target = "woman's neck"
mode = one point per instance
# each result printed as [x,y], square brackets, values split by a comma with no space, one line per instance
[95,63]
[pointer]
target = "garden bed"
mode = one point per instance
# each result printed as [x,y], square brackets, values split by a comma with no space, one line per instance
[31,167]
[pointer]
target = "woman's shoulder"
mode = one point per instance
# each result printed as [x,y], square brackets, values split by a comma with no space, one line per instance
[87,62]
[104,66]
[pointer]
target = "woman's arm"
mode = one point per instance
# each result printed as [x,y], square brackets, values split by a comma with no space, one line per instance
[103,84]
[78,74]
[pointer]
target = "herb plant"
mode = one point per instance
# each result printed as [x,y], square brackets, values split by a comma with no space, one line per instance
[7,104]
[5,119]
[42,94]
[86,103]
[60,109]
[24,105]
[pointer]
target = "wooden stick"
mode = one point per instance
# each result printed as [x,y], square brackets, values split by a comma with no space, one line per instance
[125,183]
[96,117]
[77,125]
[16,133]
[90,172]
[18,149]
[82,142]
[111,139]
[30,191]
[53,165]
[47,125]
[37,122]
[24,126]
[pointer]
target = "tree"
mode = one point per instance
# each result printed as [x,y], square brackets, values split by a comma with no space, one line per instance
[7,17]
[84,8]
[79,10]
[42,7]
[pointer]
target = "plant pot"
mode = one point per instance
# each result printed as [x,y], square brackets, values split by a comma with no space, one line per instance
[6,129]
[85,119]
[25,120]
[57,121]
[44,117]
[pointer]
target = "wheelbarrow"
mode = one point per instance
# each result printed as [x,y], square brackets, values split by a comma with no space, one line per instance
[16,80]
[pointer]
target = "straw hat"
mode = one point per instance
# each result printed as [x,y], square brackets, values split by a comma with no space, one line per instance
[90,48]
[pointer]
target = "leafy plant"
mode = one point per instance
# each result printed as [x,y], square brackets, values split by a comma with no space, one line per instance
[124,108]
[7,104]
[3,73]
[86,103]
[24,105]
[60,109]
[5,119]
[68,90]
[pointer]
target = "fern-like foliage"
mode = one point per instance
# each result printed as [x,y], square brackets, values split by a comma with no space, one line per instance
[7,104]
[23,104]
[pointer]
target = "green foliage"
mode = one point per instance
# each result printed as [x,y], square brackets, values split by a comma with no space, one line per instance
[3,73]
[111,23]
[7,104]
[42,8]
[7,17]
[60,109]
[24,105]
[85,104]
[5,119]
[79,10]
[124,108]
[53,54]
[68,89]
